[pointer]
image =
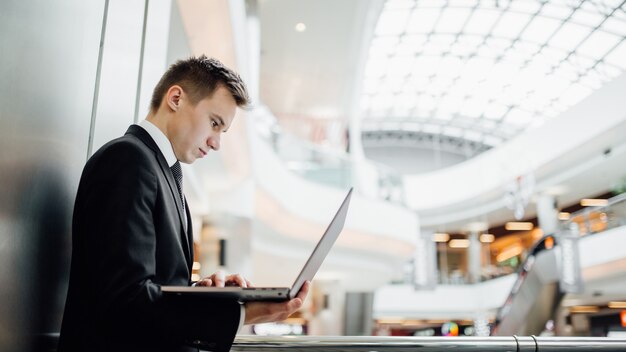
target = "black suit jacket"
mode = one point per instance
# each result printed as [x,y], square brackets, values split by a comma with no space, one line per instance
[128,239]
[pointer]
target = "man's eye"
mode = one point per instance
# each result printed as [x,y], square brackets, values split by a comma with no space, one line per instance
[214,123]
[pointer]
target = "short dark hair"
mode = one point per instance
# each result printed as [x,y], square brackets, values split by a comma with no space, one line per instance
[200,77]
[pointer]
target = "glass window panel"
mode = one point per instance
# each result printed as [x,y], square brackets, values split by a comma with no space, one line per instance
[486,124]
[617,57]
[425,65]
[607,70]
[592,80]
[463,3]
[452,131]
[510,25]
[400,65]
[473,107]
[376,67]
[451,67]
[481,21]
[422,20]
[431,128]
[425,102]
[598,44]
[569,36]
[466,45]
[492,140]
[498,44]
[518,117]
[411,44]
[552,86]
[383,45]
[615,26]
[554,55]
[399,4]
[452,20]
[473,136]
[575,94]
[477,68]
[589,19]
[550,9]
[381,101]
[540,29]
[529,7]
[392,22]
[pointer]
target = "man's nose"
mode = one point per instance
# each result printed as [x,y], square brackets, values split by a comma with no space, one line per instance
[214,142]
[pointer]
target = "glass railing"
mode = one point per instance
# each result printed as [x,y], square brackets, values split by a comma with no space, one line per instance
[329,166]
[428,344]
[597,219]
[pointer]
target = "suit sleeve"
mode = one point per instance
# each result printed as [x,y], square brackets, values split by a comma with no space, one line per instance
[119,205]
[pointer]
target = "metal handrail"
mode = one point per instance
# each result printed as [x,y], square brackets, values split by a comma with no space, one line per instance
[427,344]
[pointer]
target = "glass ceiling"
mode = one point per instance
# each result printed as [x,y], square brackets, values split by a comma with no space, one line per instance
[486,70]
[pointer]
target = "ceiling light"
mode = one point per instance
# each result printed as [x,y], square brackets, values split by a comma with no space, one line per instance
[441,237]
[300,27]
[618,305]
[564,215]
[518,226]
[594,202]
[487,238]
[583,309]
[462,243]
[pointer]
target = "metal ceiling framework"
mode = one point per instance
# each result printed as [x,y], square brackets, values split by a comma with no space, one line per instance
[484,71]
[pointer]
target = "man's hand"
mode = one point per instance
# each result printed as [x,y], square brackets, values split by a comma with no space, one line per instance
[219,279]
[265,312]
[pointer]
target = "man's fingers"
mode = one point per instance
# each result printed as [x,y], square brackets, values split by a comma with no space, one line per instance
[219,279]
[204,282]
[236,280]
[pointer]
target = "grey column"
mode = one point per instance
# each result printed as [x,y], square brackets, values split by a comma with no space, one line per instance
[547,214]
[473,257]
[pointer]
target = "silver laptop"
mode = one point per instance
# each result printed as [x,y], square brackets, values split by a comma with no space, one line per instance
[276,293]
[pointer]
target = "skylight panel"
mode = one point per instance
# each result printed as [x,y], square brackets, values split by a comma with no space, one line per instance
[598,44]
[574,94]
[452,20]
[452,131]
[473,136]
[481,21]
[399,4]
[495,111]
[550,9]
[617,57]
[615,26]
[569,36]
[392,22]
[540,29]
[518,117]
[423,20]
[383,46]
[492,140]
[526,6]
[400,65]
[587,18]
[510,25]
[411,44]
[376,67]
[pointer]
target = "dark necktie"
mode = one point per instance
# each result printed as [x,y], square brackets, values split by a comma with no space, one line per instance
[178,176]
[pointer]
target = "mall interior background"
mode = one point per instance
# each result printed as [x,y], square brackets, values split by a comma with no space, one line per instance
[485,139]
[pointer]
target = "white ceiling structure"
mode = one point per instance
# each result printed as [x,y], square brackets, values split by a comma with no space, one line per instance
[487,70]
[444,73]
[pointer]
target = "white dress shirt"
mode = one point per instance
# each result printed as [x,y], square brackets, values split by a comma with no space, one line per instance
[164,145]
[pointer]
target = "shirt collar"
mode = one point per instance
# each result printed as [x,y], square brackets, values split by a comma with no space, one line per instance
[161,141]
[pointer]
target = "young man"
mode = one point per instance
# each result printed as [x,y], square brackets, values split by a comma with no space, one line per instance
[132,227]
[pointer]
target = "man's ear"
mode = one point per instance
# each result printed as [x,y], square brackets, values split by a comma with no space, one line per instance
[173,97]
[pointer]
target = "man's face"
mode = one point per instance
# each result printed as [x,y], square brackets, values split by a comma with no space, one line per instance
[196,129]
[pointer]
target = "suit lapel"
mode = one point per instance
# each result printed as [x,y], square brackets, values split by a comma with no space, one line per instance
[144,136]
